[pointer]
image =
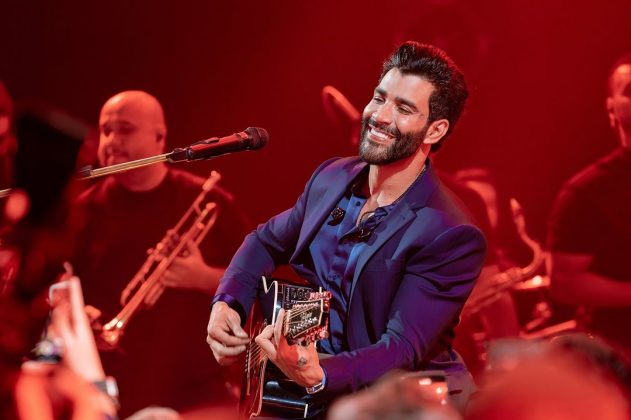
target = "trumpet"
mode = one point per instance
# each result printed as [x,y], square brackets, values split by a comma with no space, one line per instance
[145,288]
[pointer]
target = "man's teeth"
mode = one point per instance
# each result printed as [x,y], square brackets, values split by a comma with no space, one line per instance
[380,134]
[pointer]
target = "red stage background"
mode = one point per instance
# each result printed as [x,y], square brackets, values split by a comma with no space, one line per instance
[537,72]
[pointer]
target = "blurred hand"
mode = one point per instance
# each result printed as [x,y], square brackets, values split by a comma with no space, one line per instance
[155,413]
[92,313]
[43,389]
[191,272]
[298,363]
[70,323]
[226,338]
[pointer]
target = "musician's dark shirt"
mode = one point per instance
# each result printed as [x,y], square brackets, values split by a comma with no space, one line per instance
[165,359]
[592,216]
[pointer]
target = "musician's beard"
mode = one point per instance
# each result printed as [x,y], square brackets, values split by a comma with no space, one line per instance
[402,146]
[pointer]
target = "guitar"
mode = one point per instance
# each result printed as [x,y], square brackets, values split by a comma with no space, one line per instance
[265,389]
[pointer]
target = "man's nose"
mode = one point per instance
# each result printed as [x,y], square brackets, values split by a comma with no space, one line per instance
[113,139]
[383,114]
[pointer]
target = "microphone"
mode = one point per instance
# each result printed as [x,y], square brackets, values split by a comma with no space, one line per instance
[253,138]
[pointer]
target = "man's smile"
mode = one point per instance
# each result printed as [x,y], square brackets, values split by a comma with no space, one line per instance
[380,136]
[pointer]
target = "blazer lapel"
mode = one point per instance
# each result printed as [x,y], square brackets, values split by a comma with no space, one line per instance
[401,214]
[334,186]
[398,217]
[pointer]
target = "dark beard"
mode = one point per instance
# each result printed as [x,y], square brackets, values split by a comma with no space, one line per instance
[403,146]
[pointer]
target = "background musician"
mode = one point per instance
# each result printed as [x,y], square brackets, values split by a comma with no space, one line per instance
[590,228]
[161,360]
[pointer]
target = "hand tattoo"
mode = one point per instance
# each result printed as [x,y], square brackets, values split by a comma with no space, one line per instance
[302,362]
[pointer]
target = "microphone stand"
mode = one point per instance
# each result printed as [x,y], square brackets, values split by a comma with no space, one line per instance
[197,151]
[87,172]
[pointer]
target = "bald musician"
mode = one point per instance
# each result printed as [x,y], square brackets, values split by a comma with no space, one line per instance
[162,360]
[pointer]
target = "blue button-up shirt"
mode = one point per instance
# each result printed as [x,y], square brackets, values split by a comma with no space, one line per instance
[335,250]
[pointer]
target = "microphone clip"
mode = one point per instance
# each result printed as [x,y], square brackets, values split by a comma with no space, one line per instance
[363,233]
[337,215]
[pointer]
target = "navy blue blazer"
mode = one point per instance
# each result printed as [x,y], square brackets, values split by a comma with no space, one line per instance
[410,283]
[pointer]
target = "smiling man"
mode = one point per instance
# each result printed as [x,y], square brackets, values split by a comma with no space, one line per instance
[379,232]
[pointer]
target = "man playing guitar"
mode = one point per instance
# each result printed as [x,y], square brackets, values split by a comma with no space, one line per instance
[381,234]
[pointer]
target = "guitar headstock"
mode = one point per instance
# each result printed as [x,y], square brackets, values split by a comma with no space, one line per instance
[307,321]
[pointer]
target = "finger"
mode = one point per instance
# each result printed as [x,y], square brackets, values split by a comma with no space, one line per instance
[263,340]
[278,327]
[193,249]
[234,323]
[178,268]
[169,278]
[267,333]
[224,337]
[92,313]
[221,350]
[76,294]
[76,303]
[153,295]
[61,322]
[226,351]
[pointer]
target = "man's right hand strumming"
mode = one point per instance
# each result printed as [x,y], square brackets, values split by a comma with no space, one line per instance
[226,338]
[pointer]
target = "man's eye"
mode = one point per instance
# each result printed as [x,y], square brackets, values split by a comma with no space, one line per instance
[405,111]
[377,99]
[125,130]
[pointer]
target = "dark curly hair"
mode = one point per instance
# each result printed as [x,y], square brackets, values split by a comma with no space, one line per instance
[434,65]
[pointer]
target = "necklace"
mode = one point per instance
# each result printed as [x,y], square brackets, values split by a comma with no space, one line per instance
[410,186]
[368,214]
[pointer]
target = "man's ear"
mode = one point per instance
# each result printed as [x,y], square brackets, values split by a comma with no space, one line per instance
[5,124]
[161,134]
[436,131]
[613,122]
[161,137]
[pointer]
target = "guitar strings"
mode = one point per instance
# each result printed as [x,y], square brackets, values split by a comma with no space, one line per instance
[299,311]
[256,352]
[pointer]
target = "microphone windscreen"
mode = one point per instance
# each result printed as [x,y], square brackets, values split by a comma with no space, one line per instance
[258,136]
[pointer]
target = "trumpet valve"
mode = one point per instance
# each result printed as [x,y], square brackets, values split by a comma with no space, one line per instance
[112,331]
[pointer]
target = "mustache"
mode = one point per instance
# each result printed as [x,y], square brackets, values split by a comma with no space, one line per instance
[117,151]
[383,127]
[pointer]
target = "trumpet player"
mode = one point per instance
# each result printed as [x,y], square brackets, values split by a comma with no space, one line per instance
[162,360]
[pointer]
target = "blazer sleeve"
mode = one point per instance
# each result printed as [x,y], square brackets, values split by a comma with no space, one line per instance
[269,246]
[434,286]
